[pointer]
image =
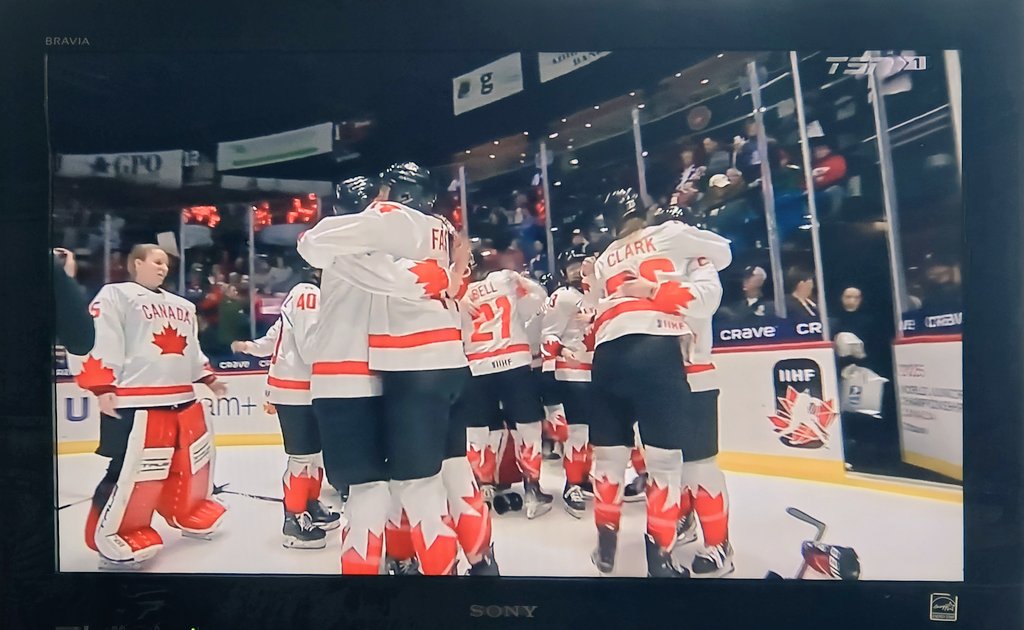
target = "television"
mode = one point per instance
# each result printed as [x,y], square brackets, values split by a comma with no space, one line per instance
[815,379]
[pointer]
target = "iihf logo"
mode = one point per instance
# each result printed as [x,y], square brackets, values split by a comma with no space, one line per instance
[943,607]
[802,417]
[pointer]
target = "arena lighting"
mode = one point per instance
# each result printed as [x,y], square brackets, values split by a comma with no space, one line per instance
[468,151]
[641,106]
[574,161]
[496,142]
[705,81]
[558,183]
[679,74]
[522,155]
[597,107]
[644,154]
[720,55]
[526,133]
[554,229]
[588,125]
[604,229]
[522,161]
[569,147]
[553,135]
[564,119]
[491,156]
[632,93]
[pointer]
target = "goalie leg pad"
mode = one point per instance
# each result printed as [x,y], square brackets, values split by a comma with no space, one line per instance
[187,502]
[121,529]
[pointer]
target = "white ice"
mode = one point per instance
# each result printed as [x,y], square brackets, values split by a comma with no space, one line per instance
[897,537]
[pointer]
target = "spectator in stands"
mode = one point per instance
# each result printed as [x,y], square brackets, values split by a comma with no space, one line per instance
[748,159]
[799,305]
[752,306]
[692,172]
[194,290]
[728,210]
[539,262]
[786,176]
[718,158]
[737,184]
[829,171]
[261,277]
[943,293]
[280,280]
[233,316]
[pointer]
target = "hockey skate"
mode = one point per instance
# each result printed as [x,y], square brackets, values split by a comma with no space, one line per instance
[204,520]
[686,529]
[487,566]
[322,516]
[603,556]
[714,562]
[636,491]
[573,498]
[299,532]
[145,543]
[536,502]
[660,563]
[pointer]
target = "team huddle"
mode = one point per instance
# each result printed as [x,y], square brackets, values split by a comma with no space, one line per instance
[426,390]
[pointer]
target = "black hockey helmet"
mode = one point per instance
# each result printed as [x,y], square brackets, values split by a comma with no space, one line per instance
[621,206]
[353,195]
[410,185]
[573,256]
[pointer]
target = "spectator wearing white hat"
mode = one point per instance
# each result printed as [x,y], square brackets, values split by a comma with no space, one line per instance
[752,306]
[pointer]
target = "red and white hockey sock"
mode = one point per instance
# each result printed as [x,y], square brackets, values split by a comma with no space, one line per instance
[576,458]
[664,487]
[362,540]
[609,481]
[711,499]
[685,502]
[316,476]
[507,471]
[528,452]
[298,483]
[636,456]
[480,454]
[555,425]
[466,505]
[397,532]
[433,535]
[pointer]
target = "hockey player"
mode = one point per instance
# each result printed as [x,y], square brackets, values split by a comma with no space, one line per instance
[415,345]
[142,369]
[568,340]
[496,307]
[646,283]
[288,343]
[705,496]
[556,429]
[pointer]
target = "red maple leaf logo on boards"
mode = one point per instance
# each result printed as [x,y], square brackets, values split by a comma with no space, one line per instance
[802,421]
[94,374]
[433,278]
[169,341]
[672,298]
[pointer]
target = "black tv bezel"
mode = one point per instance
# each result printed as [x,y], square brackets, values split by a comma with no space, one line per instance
[35,596]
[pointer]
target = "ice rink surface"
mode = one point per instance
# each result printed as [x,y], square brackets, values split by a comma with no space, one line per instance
[897,537]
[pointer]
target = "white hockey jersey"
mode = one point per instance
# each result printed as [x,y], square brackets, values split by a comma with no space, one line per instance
[147,348]
[564,328]
[389,245]
[496,339]
[288,344]
[683,260]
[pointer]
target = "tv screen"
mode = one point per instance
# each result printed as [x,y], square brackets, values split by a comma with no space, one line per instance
[781,393]
[636,315]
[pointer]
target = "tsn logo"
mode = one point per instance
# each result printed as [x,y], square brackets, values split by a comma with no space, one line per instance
[860,66]
[496,612]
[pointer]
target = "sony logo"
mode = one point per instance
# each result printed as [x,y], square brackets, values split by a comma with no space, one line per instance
[66,41]
[494,612]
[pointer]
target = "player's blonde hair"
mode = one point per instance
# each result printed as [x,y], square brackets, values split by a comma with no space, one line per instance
[140,252]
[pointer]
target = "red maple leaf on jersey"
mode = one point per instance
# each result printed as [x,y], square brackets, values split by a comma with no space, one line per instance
[95,375]
[169,341]
[550,349]
[433,278]
[672,298]
[589,340]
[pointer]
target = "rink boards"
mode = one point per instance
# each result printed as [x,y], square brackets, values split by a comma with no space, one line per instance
[752,381]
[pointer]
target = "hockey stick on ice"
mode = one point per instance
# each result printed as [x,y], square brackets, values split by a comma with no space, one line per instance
[819,533]
[73,503]
[220,490]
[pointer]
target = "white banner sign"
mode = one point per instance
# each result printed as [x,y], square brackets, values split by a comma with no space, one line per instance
[269,184]
[159,168]
[554,65]
[279,147]
[488,84]
[929,375]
